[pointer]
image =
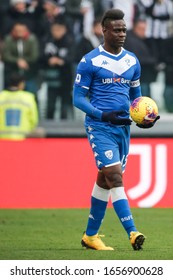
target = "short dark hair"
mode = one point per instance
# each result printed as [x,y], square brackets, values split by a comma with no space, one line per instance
[15,79]
[112,14]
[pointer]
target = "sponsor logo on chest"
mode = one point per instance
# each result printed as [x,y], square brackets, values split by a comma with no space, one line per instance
[115,80]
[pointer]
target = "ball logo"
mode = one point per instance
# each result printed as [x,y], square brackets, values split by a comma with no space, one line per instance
[146,171]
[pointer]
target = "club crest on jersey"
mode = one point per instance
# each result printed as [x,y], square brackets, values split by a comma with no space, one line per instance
[127,60]
[109,154]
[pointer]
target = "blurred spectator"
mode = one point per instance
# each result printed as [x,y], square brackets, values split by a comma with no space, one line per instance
[88,16]
[86,44]
[75,17]
[159,16]
[18,110]
[52,10]
[35,6]
[4,5]
[136,42]
[20,54]
[98,8]
[140,7]
[83,14]
[57,60]
[18,12]
[168,90]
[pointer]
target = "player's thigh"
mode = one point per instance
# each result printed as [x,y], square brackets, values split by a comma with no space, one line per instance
[104,146]
[123,139]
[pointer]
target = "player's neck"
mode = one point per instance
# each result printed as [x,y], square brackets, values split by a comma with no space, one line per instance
[109,49]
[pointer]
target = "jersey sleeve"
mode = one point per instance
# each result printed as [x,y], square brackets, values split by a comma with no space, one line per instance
[84,73]
[135,88]
[81,88]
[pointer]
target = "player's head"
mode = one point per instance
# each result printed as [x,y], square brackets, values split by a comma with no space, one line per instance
[110,15]
[114,28]
[16,81]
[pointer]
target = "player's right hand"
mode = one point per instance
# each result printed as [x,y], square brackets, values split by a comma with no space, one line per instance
[114,118]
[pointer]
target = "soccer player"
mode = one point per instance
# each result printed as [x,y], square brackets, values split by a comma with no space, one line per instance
[107,80]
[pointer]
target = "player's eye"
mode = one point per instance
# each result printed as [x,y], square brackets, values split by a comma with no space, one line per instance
[120,30]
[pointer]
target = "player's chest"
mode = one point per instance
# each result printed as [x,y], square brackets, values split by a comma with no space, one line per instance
[107,69]
[108,77]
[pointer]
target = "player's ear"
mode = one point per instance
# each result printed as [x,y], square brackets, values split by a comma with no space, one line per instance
[103,29]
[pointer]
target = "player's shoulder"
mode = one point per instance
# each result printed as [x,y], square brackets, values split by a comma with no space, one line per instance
[24,95]
[3,91]
[131,57]
[3,94]
[95,52]
[90,55]
[129,53]
[27,95]
[85,63]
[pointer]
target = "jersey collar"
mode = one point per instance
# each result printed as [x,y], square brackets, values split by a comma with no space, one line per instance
[101,49]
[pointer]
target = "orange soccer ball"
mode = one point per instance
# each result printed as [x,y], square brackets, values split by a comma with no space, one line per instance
[143,110]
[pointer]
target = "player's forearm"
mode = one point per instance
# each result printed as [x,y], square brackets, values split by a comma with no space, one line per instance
[134,93]
[80,101]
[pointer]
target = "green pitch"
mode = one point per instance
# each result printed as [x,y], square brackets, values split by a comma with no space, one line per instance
[56,234]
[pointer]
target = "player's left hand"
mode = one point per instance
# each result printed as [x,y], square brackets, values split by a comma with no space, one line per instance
[148,125]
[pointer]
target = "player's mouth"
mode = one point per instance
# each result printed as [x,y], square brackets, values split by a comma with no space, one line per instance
[121,42]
